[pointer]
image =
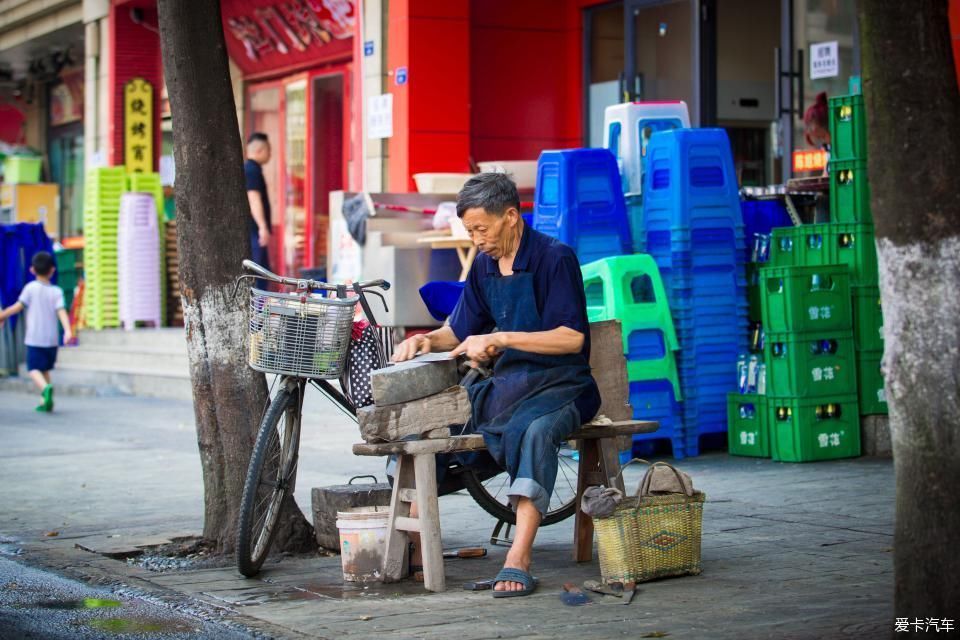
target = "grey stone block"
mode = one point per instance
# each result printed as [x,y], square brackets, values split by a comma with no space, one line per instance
[413,380]
[326,501]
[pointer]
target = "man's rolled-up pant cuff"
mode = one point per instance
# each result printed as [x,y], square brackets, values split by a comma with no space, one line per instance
[527,488]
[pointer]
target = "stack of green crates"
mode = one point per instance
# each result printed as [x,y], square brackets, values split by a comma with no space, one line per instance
[747,423]
[67,274]
[101,217]
[854,242]
[149,182]
[811,383]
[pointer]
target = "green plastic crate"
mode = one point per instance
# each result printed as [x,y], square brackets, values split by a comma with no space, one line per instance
[803,245]
[22,169]
[810,429]
[806,299]
[873,395]
[848,128]
[810,365]
[747,433]
[853,244]
[67,274]
[849,191]
[867,319]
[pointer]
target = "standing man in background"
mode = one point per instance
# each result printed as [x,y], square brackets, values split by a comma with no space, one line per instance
[258,154]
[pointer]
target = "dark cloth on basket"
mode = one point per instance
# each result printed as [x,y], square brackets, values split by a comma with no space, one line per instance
[600,502]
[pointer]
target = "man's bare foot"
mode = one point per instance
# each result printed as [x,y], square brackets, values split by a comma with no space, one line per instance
[514,561]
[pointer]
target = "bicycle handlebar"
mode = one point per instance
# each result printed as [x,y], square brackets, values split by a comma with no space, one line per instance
[306,283]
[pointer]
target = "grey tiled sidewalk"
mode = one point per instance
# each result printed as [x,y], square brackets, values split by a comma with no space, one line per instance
[789,551]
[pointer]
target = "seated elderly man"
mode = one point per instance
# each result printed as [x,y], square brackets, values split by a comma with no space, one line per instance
[523,305]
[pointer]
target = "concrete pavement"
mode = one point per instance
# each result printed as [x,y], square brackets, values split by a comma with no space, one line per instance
[789,551]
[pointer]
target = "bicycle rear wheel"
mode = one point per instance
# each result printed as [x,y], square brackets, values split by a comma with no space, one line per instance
[491,492]
[271,476]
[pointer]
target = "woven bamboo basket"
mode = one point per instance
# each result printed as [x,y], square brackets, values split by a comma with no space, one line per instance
[651,536]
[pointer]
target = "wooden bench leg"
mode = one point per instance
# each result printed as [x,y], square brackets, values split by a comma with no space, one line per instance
[395,557]
[583,524]
[599,464]
[428,509]
[610,463]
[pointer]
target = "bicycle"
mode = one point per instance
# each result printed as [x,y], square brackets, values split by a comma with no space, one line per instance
[305,338]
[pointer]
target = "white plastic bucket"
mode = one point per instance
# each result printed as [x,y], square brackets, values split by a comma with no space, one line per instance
[363,540]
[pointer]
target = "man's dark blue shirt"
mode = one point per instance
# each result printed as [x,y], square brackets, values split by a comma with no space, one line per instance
[255,182]
[557,288]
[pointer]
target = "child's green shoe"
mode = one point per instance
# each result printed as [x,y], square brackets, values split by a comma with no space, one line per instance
[47,397]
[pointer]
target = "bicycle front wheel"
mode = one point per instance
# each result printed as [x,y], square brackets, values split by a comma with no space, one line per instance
[491,492]
[271,476]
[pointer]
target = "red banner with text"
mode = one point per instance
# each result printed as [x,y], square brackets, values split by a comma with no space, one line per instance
[271,35]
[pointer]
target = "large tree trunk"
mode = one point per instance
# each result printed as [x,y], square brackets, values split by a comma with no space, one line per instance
[212,239]
[913,118]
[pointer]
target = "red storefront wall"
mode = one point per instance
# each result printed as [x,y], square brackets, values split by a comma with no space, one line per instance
[486,80]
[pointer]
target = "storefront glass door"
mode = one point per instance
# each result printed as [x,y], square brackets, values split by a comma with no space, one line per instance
[295,177]
[661,47]
[66,168]
[639,50]
[326,157]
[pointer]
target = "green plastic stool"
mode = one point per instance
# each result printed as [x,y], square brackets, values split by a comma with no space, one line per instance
[629,289]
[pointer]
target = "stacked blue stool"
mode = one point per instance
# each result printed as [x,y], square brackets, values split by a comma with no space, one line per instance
[579,201]
[693,229]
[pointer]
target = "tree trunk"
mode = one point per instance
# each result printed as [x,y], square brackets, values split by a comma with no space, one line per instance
[212,240]
[913,119]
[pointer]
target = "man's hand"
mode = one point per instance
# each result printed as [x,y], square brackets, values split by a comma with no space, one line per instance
[481,348]
[264,234]
[67,336]
[412,346]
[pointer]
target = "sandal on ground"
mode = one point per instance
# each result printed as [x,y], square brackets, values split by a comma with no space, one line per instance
[515,575]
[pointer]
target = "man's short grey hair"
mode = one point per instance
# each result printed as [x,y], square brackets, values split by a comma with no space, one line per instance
[493,192]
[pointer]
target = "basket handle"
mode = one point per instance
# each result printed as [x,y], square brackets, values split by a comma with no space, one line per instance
[643,489]
[624,466]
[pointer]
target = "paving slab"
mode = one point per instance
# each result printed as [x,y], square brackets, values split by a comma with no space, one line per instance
[789,550]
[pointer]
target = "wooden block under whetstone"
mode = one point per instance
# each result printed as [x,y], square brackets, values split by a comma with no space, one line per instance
[414,379]
[427,417]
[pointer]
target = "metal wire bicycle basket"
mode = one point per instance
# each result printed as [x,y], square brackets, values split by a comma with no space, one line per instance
[297,334]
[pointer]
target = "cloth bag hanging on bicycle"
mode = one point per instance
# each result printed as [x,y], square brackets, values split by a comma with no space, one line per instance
[364,357]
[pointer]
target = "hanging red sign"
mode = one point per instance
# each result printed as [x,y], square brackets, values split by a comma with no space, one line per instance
[265,34]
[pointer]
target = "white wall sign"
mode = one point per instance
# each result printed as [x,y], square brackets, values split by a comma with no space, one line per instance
[380,116]
[824,60]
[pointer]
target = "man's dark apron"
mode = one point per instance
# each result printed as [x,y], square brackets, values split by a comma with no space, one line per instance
[524,386]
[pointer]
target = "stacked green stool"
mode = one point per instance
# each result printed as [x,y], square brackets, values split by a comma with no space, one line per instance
[630,289]
[101,216]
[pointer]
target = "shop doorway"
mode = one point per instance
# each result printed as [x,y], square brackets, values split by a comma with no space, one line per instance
[661,50]
[65,147]
[327,157]
[264,114]
[640,50]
